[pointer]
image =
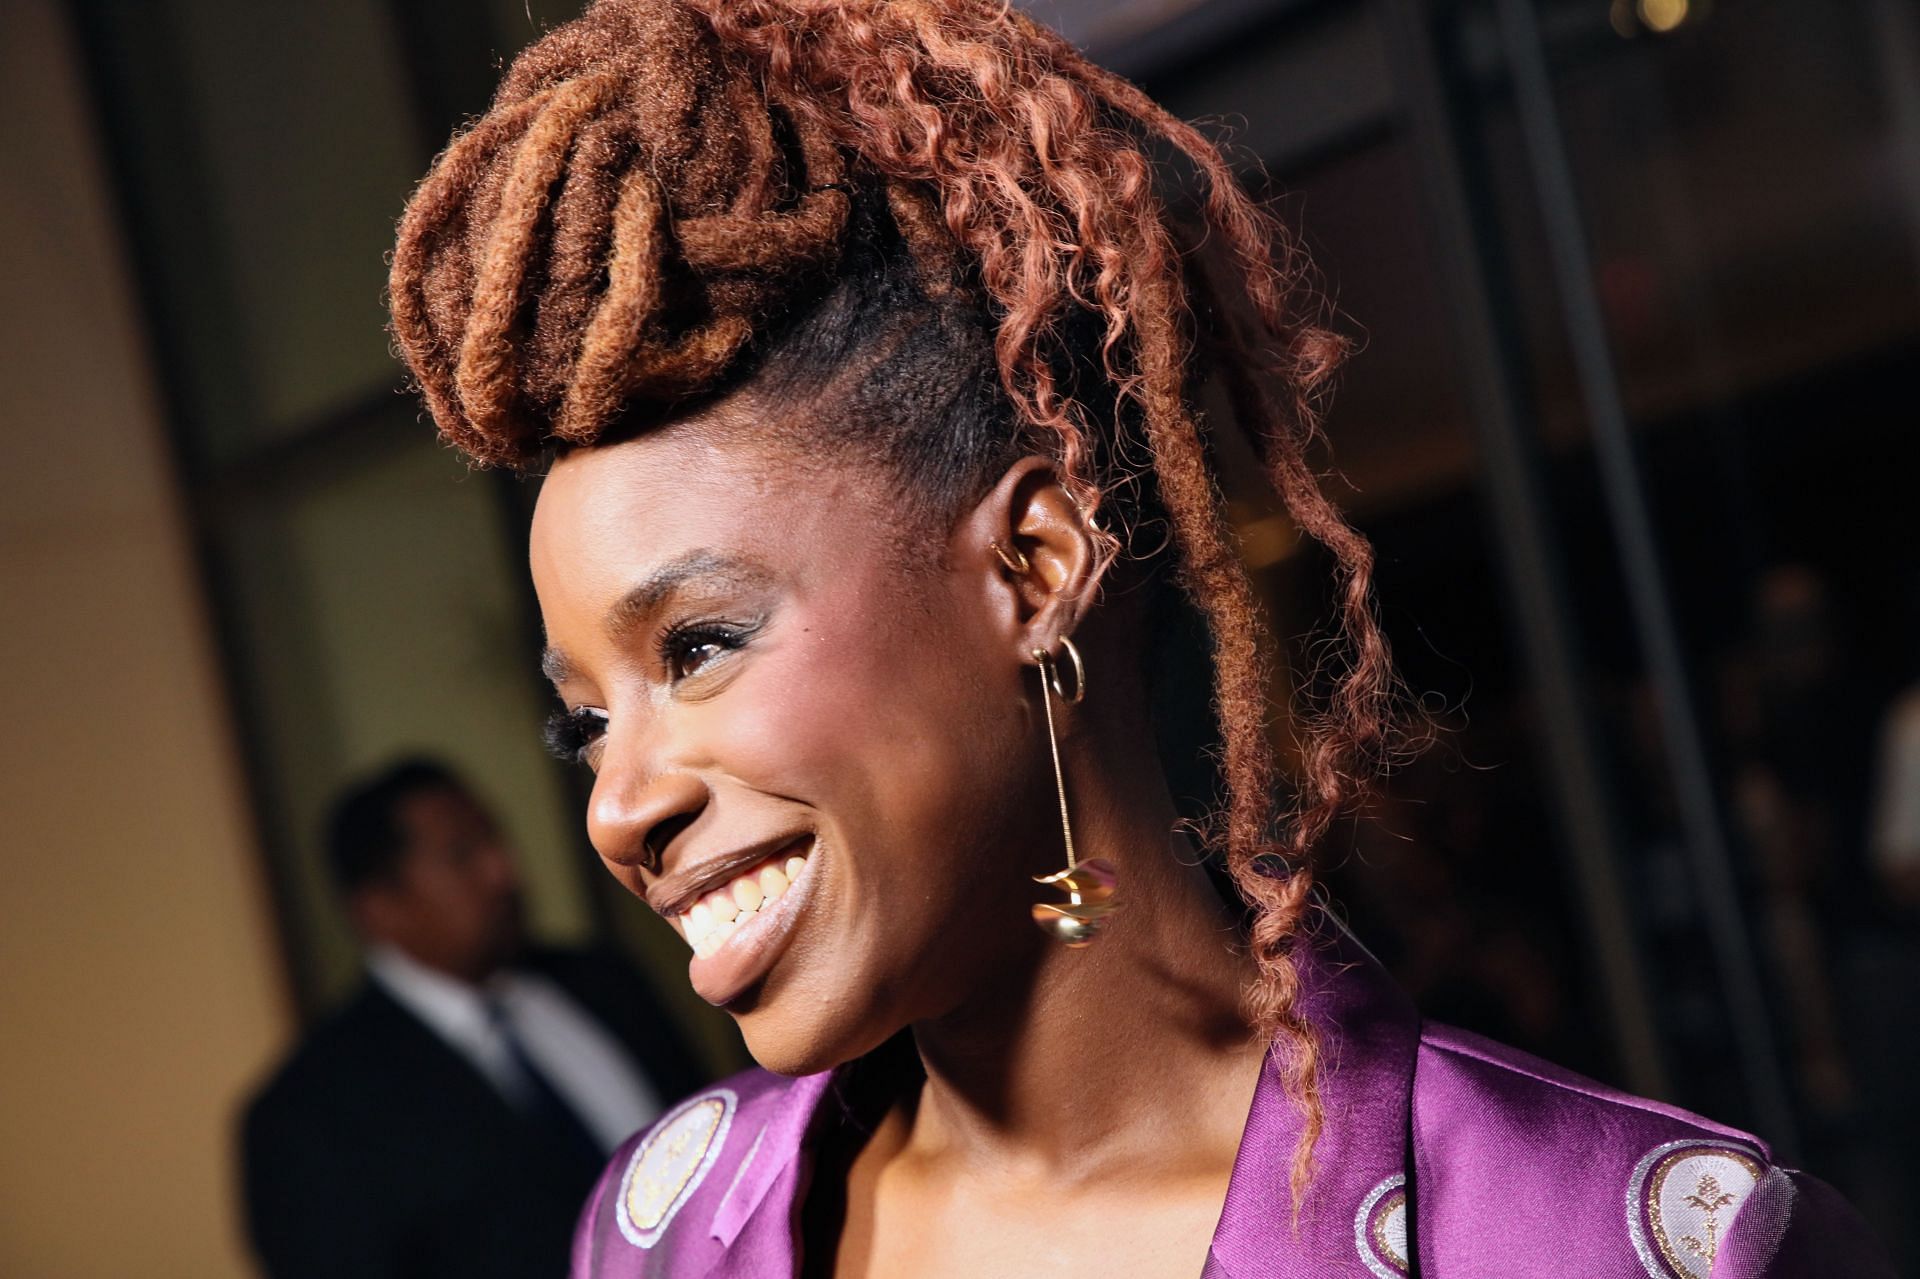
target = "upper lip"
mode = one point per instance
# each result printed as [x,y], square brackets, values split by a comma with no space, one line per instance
[674,893]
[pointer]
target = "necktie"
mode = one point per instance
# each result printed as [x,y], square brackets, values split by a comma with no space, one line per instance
[535,1097]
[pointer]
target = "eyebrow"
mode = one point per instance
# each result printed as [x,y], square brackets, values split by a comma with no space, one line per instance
[645,597]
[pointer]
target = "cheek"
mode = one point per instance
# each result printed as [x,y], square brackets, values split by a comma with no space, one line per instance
[888,720]
[454,901]
[464,906]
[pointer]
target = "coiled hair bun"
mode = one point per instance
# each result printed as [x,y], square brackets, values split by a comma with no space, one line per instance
[609,235]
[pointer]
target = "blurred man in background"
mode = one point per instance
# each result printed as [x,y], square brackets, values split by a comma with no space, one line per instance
[452,1116]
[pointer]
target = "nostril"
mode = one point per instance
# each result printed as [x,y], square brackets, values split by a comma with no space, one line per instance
[633,817]
[654,843]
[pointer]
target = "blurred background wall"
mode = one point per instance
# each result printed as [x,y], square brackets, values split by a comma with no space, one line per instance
[140,981]
[1638,289]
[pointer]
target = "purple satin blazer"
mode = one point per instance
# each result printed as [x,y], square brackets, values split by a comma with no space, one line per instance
[1444,1155]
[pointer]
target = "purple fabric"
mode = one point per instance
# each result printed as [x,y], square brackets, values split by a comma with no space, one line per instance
[1444,1155]
[1369,1033]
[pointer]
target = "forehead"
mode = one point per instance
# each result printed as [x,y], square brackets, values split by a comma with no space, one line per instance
[653,495]
[611,516]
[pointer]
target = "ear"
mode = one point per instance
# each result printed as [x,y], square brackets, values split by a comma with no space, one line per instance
[1040,527]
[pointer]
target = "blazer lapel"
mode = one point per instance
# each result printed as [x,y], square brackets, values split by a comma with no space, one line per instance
[1354,1218]
[754,1221]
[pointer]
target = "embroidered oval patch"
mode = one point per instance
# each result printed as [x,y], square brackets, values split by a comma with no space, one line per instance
[669,1165]
[1682,1198]
[1380,1229]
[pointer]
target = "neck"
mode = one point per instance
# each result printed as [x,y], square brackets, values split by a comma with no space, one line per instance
[1106,1051]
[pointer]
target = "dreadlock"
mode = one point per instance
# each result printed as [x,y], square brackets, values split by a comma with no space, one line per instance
[670,199]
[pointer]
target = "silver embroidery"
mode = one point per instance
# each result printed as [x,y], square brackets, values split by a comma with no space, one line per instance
[1380,1229]
[669,1165]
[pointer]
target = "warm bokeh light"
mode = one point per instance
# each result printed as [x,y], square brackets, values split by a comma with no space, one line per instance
[1663,15]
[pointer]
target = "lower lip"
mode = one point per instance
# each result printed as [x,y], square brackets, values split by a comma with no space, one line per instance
[755,947]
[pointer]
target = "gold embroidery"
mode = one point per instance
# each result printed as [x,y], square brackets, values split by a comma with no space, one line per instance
[1710,1199]
[1690,1254]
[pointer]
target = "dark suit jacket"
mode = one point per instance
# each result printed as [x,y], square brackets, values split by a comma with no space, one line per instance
[378,1152]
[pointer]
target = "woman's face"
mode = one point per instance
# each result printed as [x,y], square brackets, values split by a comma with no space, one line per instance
[783,715]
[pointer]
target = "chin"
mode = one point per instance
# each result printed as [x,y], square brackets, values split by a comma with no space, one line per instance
[788,1042]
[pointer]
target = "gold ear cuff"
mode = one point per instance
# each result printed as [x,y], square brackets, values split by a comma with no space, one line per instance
[1016,560]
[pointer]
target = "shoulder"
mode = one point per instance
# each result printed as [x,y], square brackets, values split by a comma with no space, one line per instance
[668,1193]
[1513,1093]
[317,1074]
[334,1099]
[1544,1171]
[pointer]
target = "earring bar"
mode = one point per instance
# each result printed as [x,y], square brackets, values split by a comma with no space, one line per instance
[1051,679]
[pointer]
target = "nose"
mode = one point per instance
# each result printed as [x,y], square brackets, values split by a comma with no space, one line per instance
[634,814]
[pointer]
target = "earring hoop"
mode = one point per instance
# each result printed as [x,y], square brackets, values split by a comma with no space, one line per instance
[1051,670]
[1016,562]
[1091,886]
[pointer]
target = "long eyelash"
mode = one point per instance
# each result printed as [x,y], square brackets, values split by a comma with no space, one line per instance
[568,733]
[678,640]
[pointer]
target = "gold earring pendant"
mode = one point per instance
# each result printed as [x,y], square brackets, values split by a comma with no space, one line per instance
[1092,885]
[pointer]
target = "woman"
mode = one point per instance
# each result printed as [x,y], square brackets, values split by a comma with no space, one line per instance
[860,353]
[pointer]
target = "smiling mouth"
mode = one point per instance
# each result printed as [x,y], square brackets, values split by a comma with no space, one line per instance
[739,930]
[709,923]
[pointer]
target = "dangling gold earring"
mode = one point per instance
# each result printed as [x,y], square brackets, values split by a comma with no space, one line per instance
[1092,885]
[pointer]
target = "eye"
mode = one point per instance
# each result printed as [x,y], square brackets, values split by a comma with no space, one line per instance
[571,733]
[685,649]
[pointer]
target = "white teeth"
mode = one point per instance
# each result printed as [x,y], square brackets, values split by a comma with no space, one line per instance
[698,923]
[721,913]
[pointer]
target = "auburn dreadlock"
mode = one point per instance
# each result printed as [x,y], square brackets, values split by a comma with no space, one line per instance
[661,186]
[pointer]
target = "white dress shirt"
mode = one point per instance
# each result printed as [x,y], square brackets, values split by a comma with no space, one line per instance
[585,1064]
